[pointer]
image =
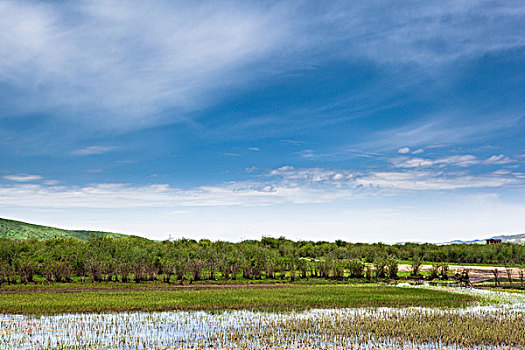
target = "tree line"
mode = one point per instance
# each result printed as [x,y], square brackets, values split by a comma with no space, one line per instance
[136,259]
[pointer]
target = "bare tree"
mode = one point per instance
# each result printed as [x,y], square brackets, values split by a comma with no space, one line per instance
[434,272]
[508,270]
[415,268]
[444,271]
[495,272]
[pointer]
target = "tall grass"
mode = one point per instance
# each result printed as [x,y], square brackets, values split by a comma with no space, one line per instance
[282,298]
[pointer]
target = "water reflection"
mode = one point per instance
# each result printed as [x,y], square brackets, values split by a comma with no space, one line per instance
[365,328]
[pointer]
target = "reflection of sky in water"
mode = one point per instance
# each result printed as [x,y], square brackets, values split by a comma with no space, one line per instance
[494,300]
[165,330]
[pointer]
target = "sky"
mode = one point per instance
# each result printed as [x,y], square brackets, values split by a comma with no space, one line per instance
[363,121]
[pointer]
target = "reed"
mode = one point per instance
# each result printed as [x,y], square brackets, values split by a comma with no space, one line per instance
[495,322]
[363,328]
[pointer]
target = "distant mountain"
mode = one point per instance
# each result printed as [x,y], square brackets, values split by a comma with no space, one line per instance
[22,230]
[519,238]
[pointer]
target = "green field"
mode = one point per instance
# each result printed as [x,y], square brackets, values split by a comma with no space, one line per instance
[273,298]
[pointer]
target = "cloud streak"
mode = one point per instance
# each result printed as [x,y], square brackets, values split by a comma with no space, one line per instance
[285,185]
[23,178]
[121,64]
[444,129]
[126,65]
[92,150]
[464,161]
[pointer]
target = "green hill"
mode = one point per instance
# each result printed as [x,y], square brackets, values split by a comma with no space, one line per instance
[22,230]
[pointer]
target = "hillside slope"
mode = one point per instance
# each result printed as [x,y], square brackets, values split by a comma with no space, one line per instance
[22,230]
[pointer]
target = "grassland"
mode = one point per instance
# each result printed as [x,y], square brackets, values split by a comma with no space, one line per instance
[266,297]
[21,230]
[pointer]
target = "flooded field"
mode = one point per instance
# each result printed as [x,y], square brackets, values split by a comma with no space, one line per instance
[497,322]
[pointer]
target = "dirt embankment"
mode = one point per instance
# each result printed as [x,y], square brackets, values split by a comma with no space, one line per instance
[478,273]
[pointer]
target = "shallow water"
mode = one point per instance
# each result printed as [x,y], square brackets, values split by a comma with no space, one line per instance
[494,300]
[313,329]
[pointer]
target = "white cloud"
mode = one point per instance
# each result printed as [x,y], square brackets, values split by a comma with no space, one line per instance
[232,154]
[122,64]
[428,180]
[412,162]
[313,155]
[282,169]
[346,182]
[23,178]
[283,186]
[418,151]
[459,160]
[499,160]
[310,175]
[301,186]
[465,160]
[92,150]
[115,196]
[50,182]
[403,150]
[456,160]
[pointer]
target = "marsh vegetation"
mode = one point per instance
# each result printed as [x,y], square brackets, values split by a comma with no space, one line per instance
[266,297]
[482,326]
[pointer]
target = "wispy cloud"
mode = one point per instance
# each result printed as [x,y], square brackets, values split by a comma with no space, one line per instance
[430,180]
[429,33]
[278,186]
[499,159]
[410,180]
[229,154]
[121,65]
[464,160]
[312,175]
[443,129]
[23,178]
[457,160]
[92,150]
[114,196]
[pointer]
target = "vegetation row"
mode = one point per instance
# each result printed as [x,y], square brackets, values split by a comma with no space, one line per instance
[137,259]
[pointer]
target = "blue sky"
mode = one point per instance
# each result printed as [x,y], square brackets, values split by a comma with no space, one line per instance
[343,120]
